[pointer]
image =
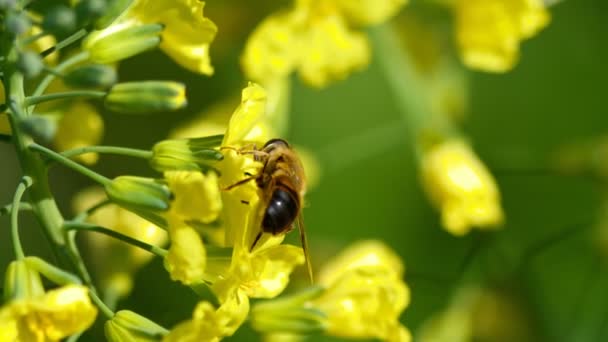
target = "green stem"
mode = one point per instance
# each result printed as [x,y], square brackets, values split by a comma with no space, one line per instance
[25,183]
[34,100]
[101,305]
[66,42]
[123,151]
[51,272]
[85,214]
[408,87]
[22,207]
[63,66]
[78,226]
[69,163]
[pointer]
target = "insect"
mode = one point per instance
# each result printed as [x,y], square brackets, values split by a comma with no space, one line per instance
[281,184]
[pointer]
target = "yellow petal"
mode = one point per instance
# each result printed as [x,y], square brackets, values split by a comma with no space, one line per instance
[271,52]
[197,196]
[489,31]
[59,313]
[370,253]
[187,33]
[331,51]
[187,258]
[461,187]
[370,12]
[247,124]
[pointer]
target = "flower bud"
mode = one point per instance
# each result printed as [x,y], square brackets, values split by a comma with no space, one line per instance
[289,314]
[127,326]
[186,154]
[121,41]
[139,193]
[30,64]
[90,9]
[59,20]
[21,281]
[146,97]
[42,128]
[17,23]
[91,76]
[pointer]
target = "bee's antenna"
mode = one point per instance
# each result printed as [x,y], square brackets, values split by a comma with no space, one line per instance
[255,241]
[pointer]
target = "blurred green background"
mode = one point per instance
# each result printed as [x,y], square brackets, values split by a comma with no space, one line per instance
[369,187]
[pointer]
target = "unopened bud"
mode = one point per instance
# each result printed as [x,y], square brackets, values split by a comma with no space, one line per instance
[59,20]
[87,10]
[17,23]
[186,154]
[42,128]
[128,326]
[121,42]
[21,281]
[139,193]
[30,64]
[146,97]
[91,76]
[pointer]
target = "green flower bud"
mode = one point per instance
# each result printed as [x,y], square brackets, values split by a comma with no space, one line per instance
[8,4]
[21,281]
[127,326]
[59,20]
[121,42]
[289,314]
[113,10]
[139,193]
[186,154]
[30,64]
[17,23]
[91,76]
[42,128]
[146,97]
[87,10]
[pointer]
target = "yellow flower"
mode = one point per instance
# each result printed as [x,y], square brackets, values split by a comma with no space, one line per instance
[365,293]
[210,324]
[187,33]
[197,201]
[114,260]
[489,31]
[461,187]
[315,38]
[53,316]
[80,125]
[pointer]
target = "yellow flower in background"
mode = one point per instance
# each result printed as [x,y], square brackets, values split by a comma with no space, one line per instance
[187,33]
[114,260]
[53,316]
[461,187]
[364,293]
[314,38]
[79,125]
[209,324]
[489,32]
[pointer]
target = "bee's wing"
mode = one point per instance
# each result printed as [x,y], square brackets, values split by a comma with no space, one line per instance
[304,242]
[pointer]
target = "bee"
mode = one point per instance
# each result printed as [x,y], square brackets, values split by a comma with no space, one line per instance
[281,184]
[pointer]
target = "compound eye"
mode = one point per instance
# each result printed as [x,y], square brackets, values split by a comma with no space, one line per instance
[274,143]
[282,210]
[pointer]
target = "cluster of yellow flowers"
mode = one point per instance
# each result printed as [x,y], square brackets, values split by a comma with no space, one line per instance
[212,226]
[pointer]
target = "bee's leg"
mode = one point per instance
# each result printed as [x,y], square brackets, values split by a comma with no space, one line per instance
[255,241]
[241,182]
